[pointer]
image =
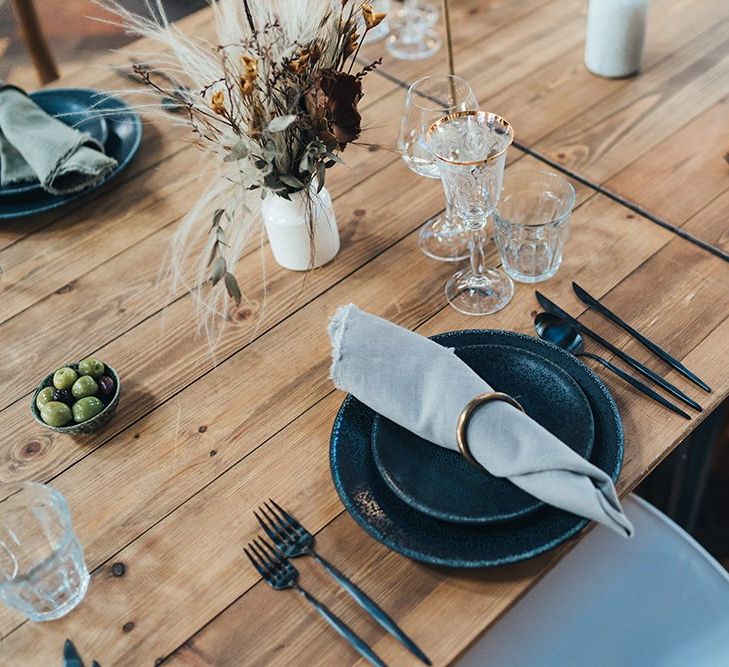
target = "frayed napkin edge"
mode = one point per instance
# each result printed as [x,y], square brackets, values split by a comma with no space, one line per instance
[337,327]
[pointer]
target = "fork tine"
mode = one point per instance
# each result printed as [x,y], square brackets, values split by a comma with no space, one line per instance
[279,522]
[263,572]
[268,564]
[275,553]
[293,522]
[268,527]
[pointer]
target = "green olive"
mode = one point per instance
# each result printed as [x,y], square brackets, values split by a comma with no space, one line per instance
[55,413]
[84,386]
[92,367]
[44,395]
[64,378]
[86,408]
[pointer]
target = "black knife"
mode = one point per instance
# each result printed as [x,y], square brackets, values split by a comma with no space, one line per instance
[593,303]
[553,308]
[71,658]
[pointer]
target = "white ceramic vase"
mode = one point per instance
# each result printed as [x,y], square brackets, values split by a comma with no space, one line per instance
[287,226]
[615,36]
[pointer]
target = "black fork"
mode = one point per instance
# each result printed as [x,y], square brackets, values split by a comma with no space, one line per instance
[294,540]
[280,574]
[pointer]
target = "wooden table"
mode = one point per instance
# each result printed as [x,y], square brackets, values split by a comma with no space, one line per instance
[162,498]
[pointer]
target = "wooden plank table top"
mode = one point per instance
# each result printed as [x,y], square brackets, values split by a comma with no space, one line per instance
[168,488]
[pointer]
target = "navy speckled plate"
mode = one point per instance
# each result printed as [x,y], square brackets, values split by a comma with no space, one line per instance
[441,483]
[421,537]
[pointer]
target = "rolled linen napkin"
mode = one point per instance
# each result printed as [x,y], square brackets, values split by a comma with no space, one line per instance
[424,387]
[36,146]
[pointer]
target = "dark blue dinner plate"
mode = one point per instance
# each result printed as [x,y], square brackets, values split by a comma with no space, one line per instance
[400,527]
[124,135]
[441,483]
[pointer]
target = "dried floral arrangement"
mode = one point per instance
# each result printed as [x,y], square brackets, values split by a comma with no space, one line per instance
[275,100]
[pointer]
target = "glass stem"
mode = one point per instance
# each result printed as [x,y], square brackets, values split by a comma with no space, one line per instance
[478,256]
[451,223]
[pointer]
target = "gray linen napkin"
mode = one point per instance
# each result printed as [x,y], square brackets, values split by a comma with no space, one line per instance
[424,387]
[36,146]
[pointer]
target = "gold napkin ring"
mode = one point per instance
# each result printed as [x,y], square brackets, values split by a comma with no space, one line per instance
[465,417]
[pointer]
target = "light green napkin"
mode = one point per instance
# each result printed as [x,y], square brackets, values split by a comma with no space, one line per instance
[36,146]
[424,387]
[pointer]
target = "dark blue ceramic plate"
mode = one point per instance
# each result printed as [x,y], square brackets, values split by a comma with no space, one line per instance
[421,537]
[123,140]
[439,482]
[71,108]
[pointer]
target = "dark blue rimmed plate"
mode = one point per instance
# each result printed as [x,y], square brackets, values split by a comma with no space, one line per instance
[122,143]
[421,537]
[440,483]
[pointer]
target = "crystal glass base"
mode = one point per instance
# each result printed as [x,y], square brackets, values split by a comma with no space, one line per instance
[444,239]
[407,48]
[479,295]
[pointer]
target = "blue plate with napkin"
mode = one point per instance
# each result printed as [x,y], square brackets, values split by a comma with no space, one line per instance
[440,482]
[401,527]
[71,109]
[45,162]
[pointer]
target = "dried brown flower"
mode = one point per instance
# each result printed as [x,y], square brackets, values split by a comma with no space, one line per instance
[352,44]
[371,18]
[217,102]
[299,64]
[341,94]
[249,73]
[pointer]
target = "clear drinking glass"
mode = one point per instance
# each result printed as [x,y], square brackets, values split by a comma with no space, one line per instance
[531,224]
[413,30]
[42,569]
[429,99]
[470,147]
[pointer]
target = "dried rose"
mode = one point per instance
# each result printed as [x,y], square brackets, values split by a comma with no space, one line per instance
[342,93]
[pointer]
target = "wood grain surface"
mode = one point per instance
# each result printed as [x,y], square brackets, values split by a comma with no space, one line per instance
[168,488]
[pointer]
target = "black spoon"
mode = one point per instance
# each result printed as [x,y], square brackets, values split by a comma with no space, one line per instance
[555,330]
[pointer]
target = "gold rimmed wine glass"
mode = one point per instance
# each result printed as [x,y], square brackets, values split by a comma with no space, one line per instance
[470,150]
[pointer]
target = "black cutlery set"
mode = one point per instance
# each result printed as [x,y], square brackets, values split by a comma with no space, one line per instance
[562,329]
[289,539]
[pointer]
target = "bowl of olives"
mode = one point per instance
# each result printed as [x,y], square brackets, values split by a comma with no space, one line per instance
[78,398]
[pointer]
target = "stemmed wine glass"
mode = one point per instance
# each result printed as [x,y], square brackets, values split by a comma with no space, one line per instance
[470,150]
[430,98]
[414,35]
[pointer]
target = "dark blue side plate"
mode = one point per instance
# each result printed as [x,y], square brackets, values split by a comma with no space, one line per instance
[122,142]
[71,108]
[439,481]
[421,537]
